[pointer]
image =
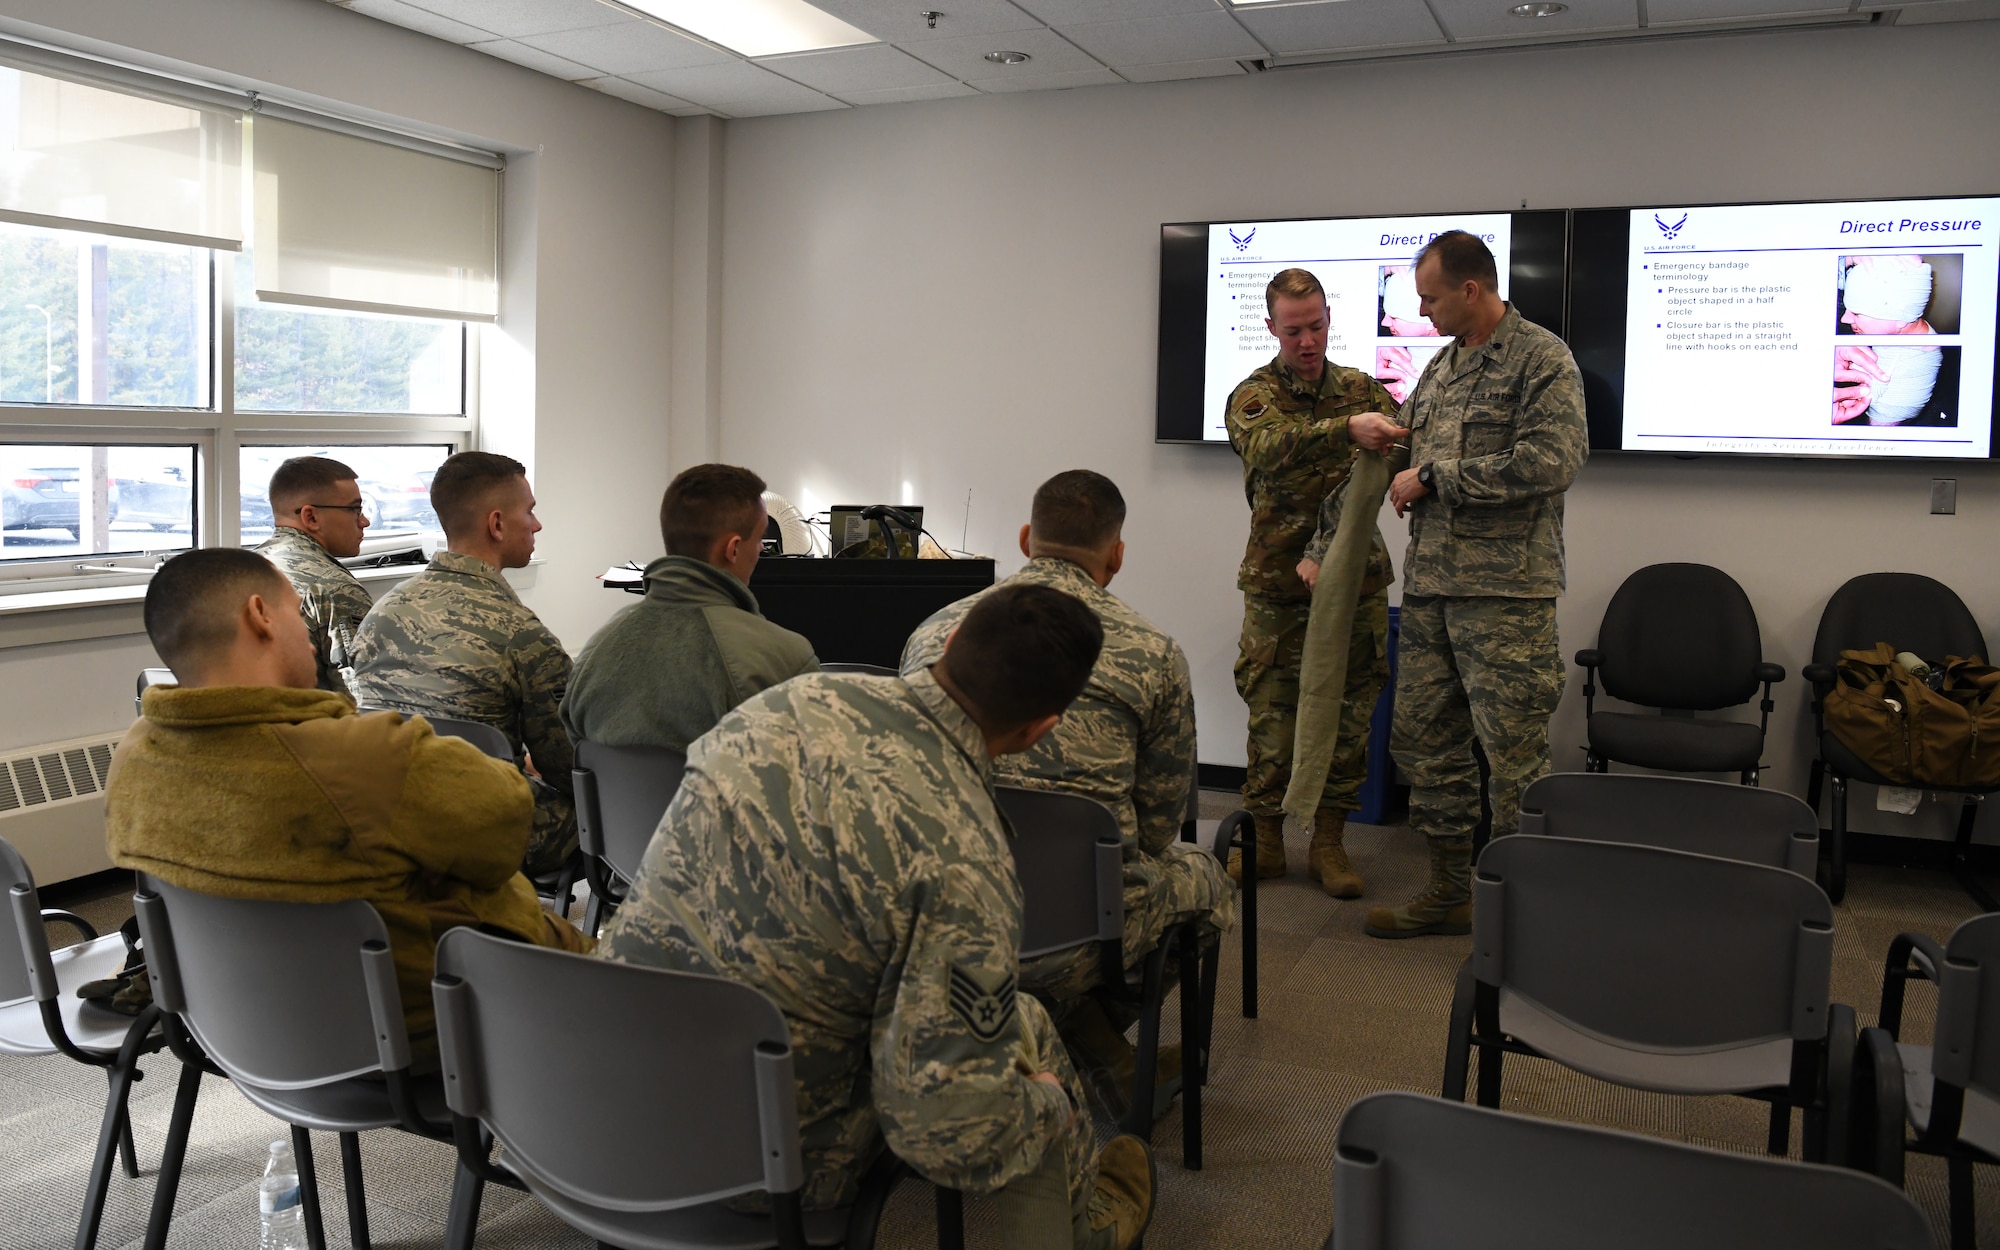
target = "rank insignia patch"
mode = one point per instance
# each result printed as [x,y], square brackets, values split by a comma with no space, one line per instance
[987,1012]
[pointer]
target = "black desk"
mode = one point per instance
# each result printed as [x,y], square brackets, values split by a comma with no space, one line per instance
[862,611]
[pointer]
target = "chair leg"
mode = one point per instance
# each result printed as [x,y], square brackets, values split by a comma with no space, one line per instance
[302,1152]
[1815,782]
[357,1202]
[461,1220]
[1193,1043]
[114,1138]
[1836,882]
[593,914]
[1961,855]
[1458,1038]
[128,1152]
[1145,1075]
[1780,1139]
[1247,839]
[950,1219]
[1964,1231]
[171,1159]
[1211,965]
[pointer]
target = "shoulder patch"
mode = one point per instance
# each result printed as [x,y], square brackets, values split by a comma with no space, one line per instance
[985,1010]
[1255,408]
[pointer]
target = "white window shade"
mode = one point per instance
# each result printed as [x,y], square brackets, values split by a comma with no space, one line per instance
[81,157]
[347,222]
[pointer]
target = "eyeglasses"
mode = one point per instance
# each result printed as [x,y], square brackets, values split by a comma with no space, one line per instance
[356,508]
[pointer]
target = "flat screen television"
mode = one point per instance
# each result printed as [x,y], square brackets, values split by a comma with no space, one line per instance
[1213,274]
[1858,328]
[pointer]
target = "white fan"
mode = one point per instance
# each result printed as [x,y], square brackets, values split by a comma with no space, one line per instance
[794,535]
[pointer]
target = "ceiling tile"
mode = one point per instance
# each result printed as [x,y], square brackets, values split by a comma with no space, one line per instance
[1077,12]
[1187,69]
[1489,19]
[535,59]
[965,59]
[1674,12]
[636,94]
[1163,40]
[845,71]
[514,18]
[739,89]
[423,21]
[1337,25]
[1099,77]
[901,22]
[630,48]
[904,95]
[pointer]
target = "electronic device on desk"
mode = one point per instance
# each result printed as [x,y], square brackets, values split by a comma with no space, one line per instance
[877,531]
[787,531]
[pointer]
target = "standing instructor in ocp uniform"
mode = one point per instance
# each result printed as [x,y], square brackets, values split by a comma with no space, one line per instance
[1496,435]
[1296,422]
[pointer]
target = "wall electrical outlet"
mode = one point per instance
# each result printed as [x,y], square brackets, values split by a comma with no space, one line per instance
[1944,496]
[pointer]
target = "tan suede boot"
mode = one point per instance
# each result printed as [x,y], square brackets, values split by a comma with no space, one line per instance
[1270,850]
[1327,863]
[1121,1204]
[1444,906]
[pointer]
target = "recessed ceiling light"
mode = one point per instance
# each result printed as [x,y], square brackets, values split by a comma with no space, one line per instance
[1008,58]
[756,27]
[1539,8]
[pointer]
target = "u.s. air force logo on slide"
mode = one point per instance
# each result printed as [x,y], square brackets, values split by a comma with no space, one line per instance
[987,1011]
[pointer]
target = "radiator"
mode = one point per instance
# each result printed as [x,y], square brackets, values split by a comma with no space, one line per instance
[52,806]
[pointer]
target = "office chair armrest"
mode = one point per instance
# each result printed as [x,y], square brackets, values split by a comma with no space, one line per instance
[1770,674]
[1227,832]
[1910,955]
[1820,675]
[1875,1138]
[1591,659]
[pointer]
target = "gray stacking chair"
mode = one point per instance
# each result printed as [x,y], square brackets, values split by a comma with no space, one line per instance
[1658,970]
[1947,1092]
[621,793]
[1716,818]
[40,1014]
[1415,1173]
[489,740]
[1069,855]
[297,1004]
[1219,836]
[687,1099]
[151,677]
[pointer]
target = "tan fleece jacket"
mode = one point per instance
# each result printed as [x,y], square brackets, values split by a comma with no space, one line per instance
[273,793]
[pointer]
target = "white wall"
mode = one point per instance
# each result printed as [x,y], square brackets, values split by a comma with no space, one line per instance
[963,294]
[577,375]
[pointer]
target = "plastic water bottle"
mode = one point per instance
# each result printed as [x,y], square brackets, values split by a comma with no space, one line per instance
[278,1199]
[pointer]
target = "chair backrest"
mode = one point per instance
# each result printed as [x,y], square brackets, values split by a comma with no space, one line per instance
[280,995]
[1966,1043]
[1069,855]
[1680,636]
[1914,612]
[25,968]
[1413,1172]
[489,740]
[688,1094]
[151,677]
[621,793]
[1658,949]
[1716,818]
[844,666]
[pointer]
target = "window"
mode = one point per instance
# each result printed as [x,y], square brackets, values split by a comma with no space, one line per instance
[95,500]
[395,486]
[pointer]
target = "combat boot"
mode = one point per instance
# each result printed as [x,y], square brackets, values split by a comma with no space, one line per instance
[1327,863]
[1270,850]
[1121,1204]
[1444,906]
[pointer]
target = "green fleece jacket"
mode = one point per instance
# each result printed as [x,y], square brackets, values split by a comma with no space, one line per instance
[662,672]
[271,793]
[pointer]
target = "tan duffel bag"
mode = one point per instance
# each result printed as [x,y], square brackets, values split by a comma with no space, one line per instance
[1895,723]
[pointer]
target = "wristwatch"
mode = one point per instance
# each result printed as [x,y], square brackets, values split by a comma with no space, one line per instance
[1425,477]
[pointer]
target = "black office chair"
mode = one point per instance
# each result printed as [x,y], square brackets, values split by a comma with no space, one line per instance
[1681,638]
[1912,613]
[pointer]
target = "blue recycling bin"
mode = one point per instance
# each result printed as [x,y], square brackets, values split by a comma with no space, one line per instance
[1382,799]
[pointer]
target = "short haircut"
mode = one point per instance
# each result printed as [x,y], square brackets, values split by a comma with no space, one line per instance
[192,602]
[300,478]
[1077,508]
[707,503]
[1023,652]
[1462,258]
[463,485]
[1296,283]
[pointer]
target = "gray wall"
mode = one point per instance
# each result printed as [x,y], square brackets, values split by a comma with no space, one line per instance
[962,295]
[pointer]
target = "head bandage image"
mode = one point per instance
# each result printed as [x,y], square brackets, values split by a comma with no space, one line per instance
[1402,313]
[1891,288]
[1912,377]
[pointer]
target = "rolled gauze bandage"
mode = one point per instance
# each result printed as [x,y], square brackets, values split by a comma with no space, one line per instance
[1894,288]
[1399,296]
[1912,377]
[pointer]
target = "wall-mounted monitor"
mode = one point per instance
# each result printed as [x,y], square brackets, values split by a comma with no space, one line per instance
[1213,274]
[1864,328]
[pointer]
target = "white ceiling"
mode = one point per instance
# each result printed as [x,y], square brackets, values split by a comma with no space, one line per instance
[1070,43]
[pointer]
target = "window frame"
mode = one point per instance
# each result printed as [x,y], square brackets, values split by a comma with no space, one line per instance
[218,434]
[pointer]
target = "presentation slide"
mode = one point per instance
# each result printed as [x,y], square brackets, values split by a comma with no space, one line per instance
[1373,322]
[1857,329]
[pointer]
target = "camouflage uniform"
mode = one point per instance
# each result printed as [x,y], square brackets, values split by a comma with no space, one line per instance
[456,641]
[1292,436]
[332,602]
[1502,426]
[1128,742]
[836,845]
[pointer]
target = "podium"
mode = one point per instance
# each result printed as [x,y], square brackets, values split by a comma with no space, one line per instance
[862,611]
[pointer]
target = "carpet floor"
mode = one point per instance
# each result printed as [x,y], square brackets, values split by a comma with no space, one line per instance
[1341,1015]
